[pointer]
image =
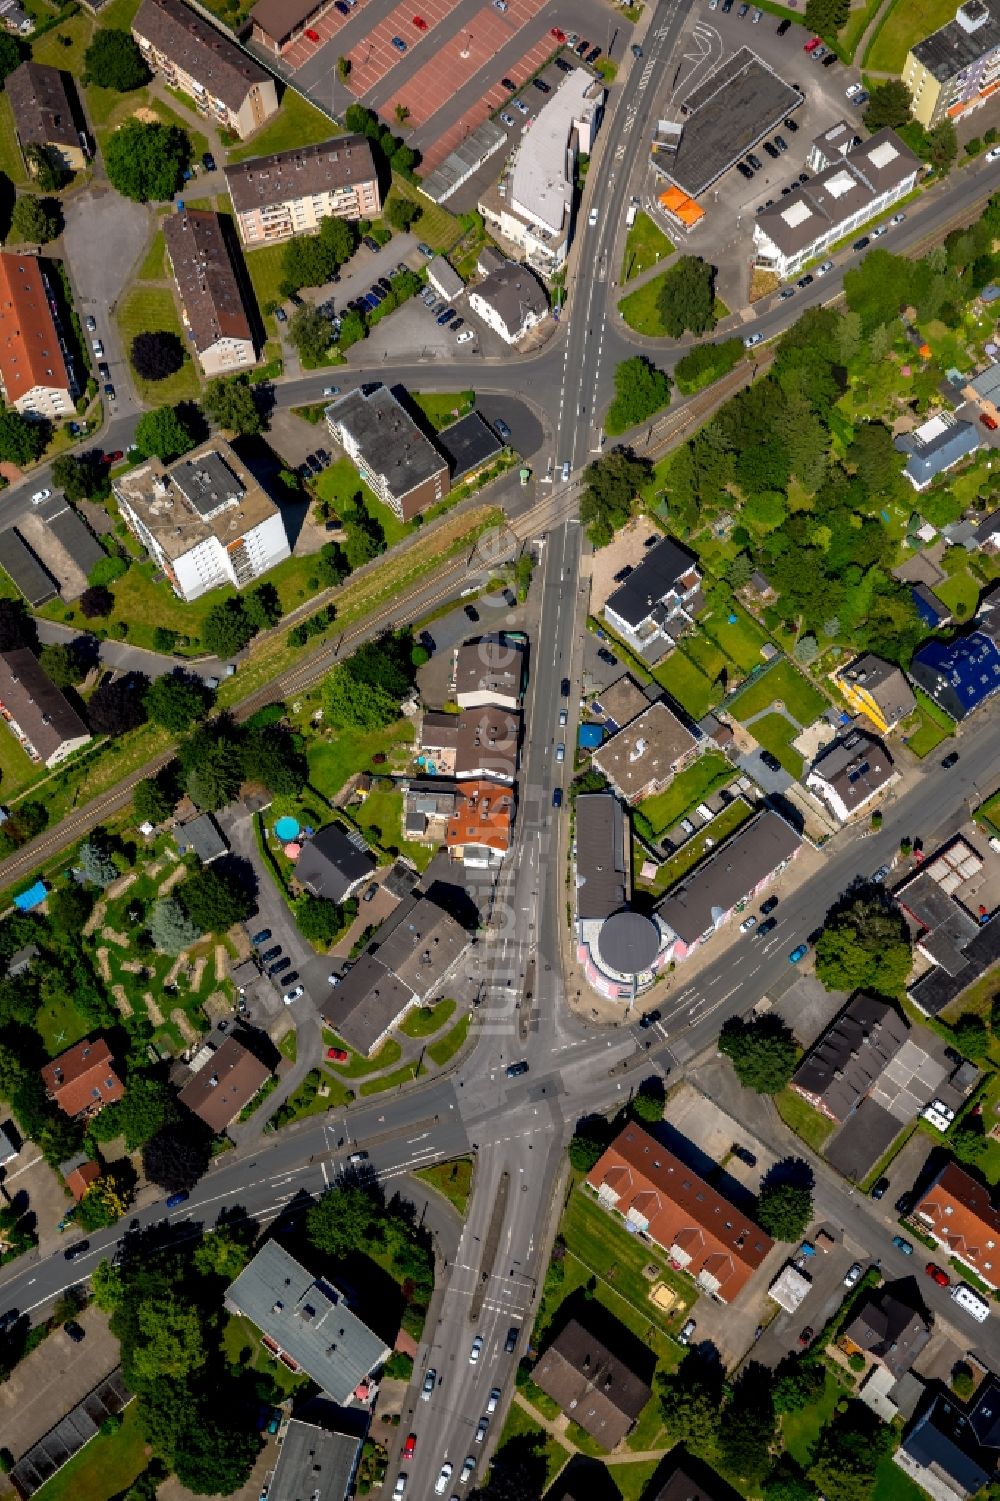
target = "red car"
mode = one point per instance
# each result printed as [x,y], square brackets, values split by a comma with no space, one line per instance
[409,1448]
[810,46]
[560,36]
[112,458]
[313,36]
[937,1275]
[806,1337]
[337,1054]
[420,23]
[988,421]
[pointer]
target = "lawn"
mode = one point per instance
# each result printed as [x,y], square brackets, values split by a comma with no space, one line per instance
[152,309]
[390,1081]
[357,1065]
[781,684]
[641,308]
[632,1480]
[144,602]
[741,639]
[686,683]
[60,1024]
[266,274]
[443,407]
[960,593]
[380,819]
[521,1425]
[154,266]
[892,1484]
[775,732]
[11,160]
[928,728]
[687,790]
[444,1050]
[803,1119]
[426,1020]
[452,1179]
[52,48]
[103,1468]
[340,484]
[16,769]
[690,854]
[802,1429]
[332,761]
[435,227]
[645,245]
[297,123]
[240,1335]
[908,21]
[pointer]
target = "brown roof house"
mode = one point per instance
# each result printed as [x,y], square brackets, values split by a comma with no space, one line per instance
[592,1386]
[292,192]
[212,304]
[227,1082]
[43,113]
[487,744]
[958,1213]
[37,712]
[646,755]
[227,86]
[850,773]
[276,23]
[37,375]
[79,1173]
[887,1329]
[83,1080]
[489,671]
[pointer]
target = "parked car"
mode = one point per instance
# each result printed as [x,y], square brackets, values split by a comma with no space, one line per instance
[502,430]
[783,26]
[279,967]
[509,85]
[178,1198]
[771,150]
[293,995]
[261,937]
[74,1332]
[770,760]
[790,124]
[560,752]
[507,120]
[748,924]
[812,44]
[470,612]
[879,1188]
[950,760]
[520,106]
[110,392]
[824,269]
[993,155]
[420,23]
[829,60]
[98,348]
[853,1275]
[752,339]
[399,44]
[208,161]
[560,36]
[685,1332]
[557,797]
[744,170]
[937,1275]
[904,1203]
[563,65]
[607,657]
[441,1483]
[410,1447]
[804,281]
[39,496]
[401,1479]
[311,34]
[481,1428]
[806,1337]
[281,315]
[494,1400]
[781,143]
[988,421]
[902,1244]
[467,1469]
[90,324]
[339,1055]
[799,952]
[754,161]
[592,56]
[861,244]
[768,906]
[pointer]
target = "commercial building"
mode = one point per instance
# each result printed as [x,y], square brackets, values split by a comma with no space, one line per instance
[536,213]
[850,773]
[82,1080]
[227,85]
[315,1461]
[510,301]
[868,1053]
[36,371]
[305,1322]
[644,758]
[490,671]
[334,863]
[292,192]
[956,936]
[935,447]
[735,872]
[963,674]
[621,951]
[959,1216]
[877,689]
[957,68]
[391,454]
[224,1085]
[44,114]
[38,713]
[212,307]
[205,519]
[591,1384]
[843,195]
[659,1196]
[658,601]
[478,831]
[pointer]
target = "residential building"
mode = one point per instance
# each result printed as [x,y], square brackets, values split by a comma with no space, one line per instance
[867,1047]
[644,757]
[963,674]
[278,23]
[487,744]
[315,1461]
[292,192]
[698,1228]
[305,1322]
[658,601]
[692,1481]
[957,68]
[15,18]
[733,874]
[82,1080]
[391,454]
[490,671]
[445,280]
[79,1173]
[36,712]
[930,606]
[936,446]
[479,829]
[36,371]
[831,145]
[849,774]
[438,740]
[228,1082]
[987,533]
[536,211]
[205,519]
[951,1451]
[334,863]
[428,805]
[842,196]
[511,301]
[232,90]
[591,1384]
[212,307]
[619,703]
[21,960]
[883,1327]
[44,114]
[955,938]
[202,837]
[877,689]
[959,1216]
[984,390]
[366,1004]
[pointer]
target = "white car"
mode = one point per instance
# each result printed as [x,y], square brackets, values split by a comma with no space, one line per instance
[491,1405]
[477,1349]
[481,1428]
[467,1469]
[593,217]
[752,339]
[565,470]
[293,995]
[465,336]
[400,1485]
[560,752]
[508,120]
[747,924]
[993,155]
[563,716]
[90,323]
[853,1276]
[331,390]
[39,496]
[825,269]
[441,1483]
[98,348]
[684,1337]
[879,231]
[897,218]
[852,89]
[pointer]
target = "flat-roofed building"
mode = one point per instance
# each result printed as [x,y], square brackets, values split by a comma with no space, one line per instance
[316,1462]
[391,454]
[227,85]
[44,114]
[277,23]
[292,192]
[489,671]
[38,713]
[205,519]
[212,306]
[487,744]
[957,68]
[35,367]
[644,757]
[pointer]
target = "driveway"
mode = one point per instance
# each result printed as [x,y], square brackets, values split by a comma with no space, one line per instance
[124,658]
[53,1379]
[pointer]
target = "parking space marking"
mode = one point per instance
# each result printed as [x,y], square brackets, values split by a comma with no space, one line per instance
[375,56]
[491,100]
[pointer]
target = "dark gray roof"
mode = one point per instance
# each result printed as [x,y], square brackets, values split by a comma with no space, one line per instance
[468,444]
[855,767]
[628,942]
[591,1384]
[601,869]
[985,1414]
[199,49]
[886,684]
[25,571]
[365,1004]
[40,708]
[204,837]
[989,527]
[491,664]
[651,581]
[314,1464]
[888,1329]
[344,161]
[947,52]
[390,442]
[862,1140]
[515,294]
[950,443]
[419,943]
[683,1485]
[937,988]
[69,528]
[332,862]
[43,111]
[730,873]
[941,1439]
[207,482]
[852,1054]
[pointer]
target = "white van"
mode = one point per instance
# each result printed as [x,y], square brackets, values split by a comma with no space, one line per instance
[966,1297]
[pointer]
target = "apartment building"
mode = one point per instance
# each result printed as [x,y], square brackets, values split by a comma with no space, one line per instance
[212,306]
[44,114]
[35,367]
[957,68]
[192,55]
[959,1215]
[36,712]
[658,601]
[292,192]
[391,454]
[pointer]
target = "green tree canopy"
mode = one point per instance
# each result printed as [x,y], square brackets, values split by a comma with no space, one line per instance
[826,16]
[310,332]
[402,213]
[155,798]
[640,390]
[798,1382]
[35,220]
[46,165]
[610,486]
[156,354]
[889,104]
[784,1210]
[170,928]
[649,1101]
[228,401]
[163,434]
[762,1051]
[113,61]
[747,1431]
[81,477]
[145,162]
[687,297]
[147,1105]
[11,55]
[344,1219]
[318,920]
[62,664]
[227,628]
[691,1402]
[214,900]
[350,703]
[177,700]
[21,441]
[865,945]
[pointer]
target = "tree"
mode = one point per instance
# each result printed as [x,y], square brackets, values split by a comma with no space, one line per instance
[163,434]
[69,907]
[216,1456]
[227,628]
[343,68]
[107,570]
[962,1381]
[81,477]
[971,1035]
[46,166]
[175,1158]
[889,104]
[787,1483]
[784,1210]
[228,401]
[588,1143]
[105,1201]
[353,329]
[61,664]
[170,928]
[343,1220]
[649,1102]
[21,441]
[214,900]
[611,484]
[401,213]
[318,920]
[263,607]
[746,1434]
[687,297]
[865,945]
[806,649]
[155,356]
[348,702]
[113,61]
[310,333]
[275,757]
[311,260]
[691,1403]
[848,1452]
[146,161]
[706,363]
[969,1141]
[17,628]
[95,861]
[762,1051]
[154,799]
[213,767]
[798,1382]
[942,146]
[177,700]
[10,55]
[147,1106]
[35,221]
[826,16]
[118,704]
[640,390]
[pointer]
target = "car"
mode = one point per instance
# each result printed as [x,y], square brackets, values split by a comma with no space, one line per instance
[507,119]
[950,760]
[293,995]
[799,952]
[565,470]
[399,44]
[852,89]
[74,1252]
[593,55]
[470,612]
[420,23]
[370,242]
[564,687]
[331,390]
[560,752]
[75,1333]
[829,60]
[806,1337]
[993,155]
[819,54]
[623,573]
[208,161]
[781,143]
[357,1158]
[766,908]
[785,191]
[559,35]
[804,281]
[98,348]
[481,1428]
[581,47]
[477,1350]
[104,371]
[905,1203]
[542,86]
[500,5]
[743,12]
[339,1055]
[39,496]
[280,966]
[520,106]
[752,339]
[509,85]
[401,1479]
[771,150]
[441,1483]
[754,161]
[467,1469]
[988,421]
[110,392]
[783,26]
[748,923]
[744,170]
[342,7]
[592,217]
[446,316]
[90,324]
[607,657]
[410,1447]
[513,1333]
[861,244]
[770,760]
[936,1274]
[281,315]
[494,1400]
[515,1070]
[260,937]
[812,44]
[879,231]
[767,926]
[502,430]
[853,1275]
[312,35]
[897,219]
[790,124]
[181,1196]
[685,1332]
[557,794]
[879,1187]
[824,269]
[803,177]
[465,337]
[756,17]
[902,1244]
[563,65]
[636,51]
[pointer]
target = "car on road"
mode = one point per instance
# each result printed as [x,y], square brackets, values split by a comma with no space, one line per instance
[515,1070]
[897,219]
[261,937]
[649,1019]
[950,760]
[557,797]
[467,1469]
[565,470]
[993,155]
[477,1349]
[494,1400]
[441,1483]
[410,1447]
[686,1331]
[879,231]
[178,1198]
[861,244]
[470,612]
[824,269]
[90,324]
[399,44]
[74,1332]
[513,1333]
[560,752]
[767,926]
[339,1055]
[798,952]
[936,1274]
[563,716]
[109,392]
[806,1337]
[770,760]
[879,1188]
[39,496]
[853,1275]
[331,390]
[748,924]
[81,1248]
[592,217]
[752,339]
[481,1428]
[401,1480]
[902,1244]
[804,281]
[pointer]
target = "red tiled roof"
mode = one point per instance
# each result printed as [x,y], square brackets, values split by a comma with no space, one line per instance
[83,1078]
[962,1215]
[80,1179]
[29,343]
[483,814]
